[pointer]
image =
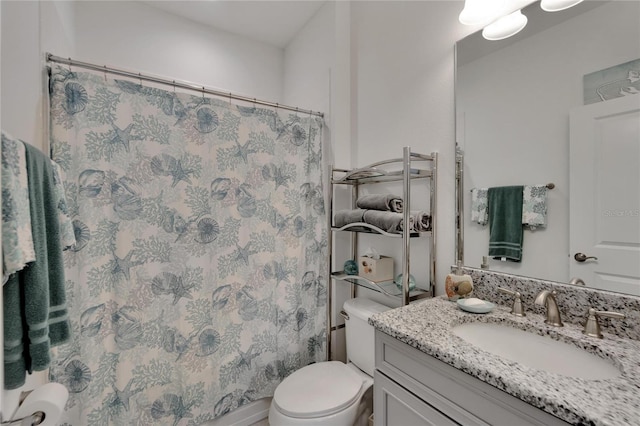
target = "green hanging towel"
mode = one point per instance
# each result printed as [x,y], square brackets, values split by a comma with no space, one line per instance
[505,223]
[34,299]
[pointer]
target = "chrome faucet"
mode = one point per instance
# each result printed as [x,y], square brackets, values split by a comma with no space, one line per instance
[516,309]
[577,281]
[548,299]
[592,326]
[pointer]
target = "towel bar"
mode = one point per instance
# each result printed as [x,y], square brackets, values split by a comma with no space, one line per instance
[550,185]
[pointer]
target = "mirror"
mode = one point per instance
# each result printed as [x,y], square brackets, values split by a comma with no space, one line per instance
[513,103]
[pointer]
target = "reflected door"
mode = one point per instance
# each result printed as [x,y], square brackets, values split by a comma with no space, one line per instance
[605,194]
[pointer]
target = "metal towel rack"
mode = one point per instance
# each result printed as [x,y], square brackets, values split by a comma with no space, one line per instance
[550,185]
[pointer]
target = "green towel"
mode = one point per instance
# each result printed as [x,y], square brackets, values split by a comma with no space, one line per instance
[505,223]
[35,310]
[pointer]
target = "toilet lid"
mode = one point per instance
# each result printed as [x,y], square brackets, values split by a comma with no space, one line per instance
[318,390]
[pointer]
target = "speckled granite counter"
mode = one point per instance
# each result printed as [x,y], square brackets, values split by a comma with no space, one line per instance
[427,325]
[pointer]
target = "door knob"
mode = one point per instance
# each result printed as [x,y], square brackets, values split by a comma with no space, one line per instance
[581,257]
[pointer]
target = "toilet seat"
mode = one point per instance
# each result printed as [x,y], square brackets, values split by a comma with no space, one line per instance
[318,390]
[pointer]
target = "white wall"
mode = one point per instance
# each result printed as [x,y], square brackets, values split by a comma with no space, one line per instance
[316,76]
[139,37]
[405,97]
[515,107]
[21,70]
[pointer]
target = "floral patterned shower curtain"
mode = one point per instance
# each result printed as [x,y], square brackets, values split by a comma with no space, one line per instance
[195,285]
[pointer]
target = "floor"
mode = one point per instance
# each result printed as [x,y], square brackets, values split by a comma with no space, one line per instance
[264,422]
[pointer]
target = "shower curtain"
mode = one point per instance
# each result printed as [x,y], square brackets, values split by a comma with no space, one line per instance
[195,284]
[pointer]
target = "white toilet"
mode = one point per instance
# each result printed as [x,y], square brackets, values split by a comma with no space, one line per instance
[330,393]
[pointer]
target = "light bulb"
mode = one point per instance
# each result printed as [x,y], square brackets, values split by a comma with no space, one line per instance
[505,27]
[481,12]
[558,5]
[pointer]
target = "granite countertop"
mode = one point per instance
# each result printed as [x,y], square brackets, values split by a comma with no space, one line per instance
[426,326]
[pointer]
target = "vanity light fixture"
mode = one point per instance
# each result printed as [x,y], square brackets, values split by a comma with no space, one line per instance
[558,5]
[481,12]
[505,27]
[503,18]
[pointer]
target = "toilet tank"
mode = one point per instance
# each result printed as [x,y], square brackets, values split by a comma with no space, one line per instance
[359,334]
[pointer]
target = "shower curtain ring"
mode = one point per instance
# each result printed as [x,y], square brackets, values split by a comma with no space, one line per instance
[105,73]
[70,64]
[203,92]
[140,78]
[229,98]
[174,86]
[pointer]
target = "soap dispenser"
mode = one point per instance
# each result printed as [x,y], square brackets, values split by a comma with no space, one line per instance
[457,284]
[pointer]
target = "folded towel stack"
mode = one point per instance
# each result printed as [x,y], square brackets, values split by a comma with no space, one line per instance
[387,221]
[384,211]
[384,202]
[345,217]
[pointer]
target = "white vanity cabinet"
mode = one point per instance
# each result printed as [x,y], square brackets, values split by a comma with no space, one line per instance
[413,388]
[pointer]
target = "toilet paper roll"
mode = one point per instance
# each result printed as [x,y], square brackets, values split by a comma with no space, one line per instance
[49,399]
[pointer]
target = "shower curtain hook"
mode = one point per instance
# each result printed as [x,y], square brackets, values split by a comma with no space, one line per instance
[297,111]
[254,103]
[174,86]
[70,64]
[140,78]
[105,73]
[202,92]
[229,98]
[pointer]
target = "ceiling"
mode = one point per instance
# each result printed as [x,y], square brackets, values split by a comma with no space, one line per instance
[274,22]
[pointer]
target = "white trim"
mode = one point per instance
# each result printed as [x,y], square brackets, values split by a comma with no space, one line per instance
[245,415]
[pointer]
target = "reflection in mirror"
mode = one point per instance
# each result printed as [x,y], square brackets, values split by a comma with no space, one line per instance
[515,102]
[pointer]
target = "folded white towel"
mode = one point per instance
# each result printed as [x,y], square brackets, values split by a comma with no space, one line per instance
[479,202]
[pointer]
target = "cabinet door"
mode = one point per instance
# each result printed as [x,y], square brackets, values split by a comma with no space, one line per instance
[395,406]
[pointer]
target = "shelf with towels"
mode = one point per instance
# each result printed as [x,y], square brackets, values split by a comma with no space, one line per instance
[385,215]
[388,288]
[367,228]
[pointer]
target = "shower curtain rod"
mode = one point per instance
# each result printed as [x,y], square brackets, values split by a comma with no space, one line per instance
[174,83]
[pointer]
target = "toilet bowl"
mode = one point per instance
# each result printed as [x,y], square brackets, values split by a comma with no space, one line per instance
[331,392]
[326,393]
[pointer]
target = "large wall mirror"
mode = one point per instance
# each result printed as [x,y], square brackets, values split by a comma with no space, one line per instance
[522,119]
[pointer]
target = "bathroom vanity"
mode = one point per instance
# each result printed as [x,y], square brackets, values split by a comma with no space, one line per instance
[426,374]
[414,388]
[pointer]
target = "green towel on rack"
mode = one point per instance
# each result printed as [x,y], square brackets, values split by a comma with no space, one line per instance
[505,223]
[35,310]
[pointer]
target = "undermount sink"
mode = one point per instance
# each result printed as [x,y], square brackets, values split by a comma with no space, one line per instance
[534,351]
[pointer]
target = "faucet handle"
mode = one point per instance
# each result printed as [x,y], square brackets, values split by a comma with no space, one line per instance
[516,309]
[592,326]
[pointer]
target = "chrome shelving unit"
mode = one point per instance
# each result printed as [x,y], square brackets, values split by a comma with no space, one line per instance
[410,167]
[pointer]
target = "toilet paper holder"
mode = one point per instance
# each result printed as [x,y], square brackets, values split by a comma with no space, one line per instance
[35,418]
